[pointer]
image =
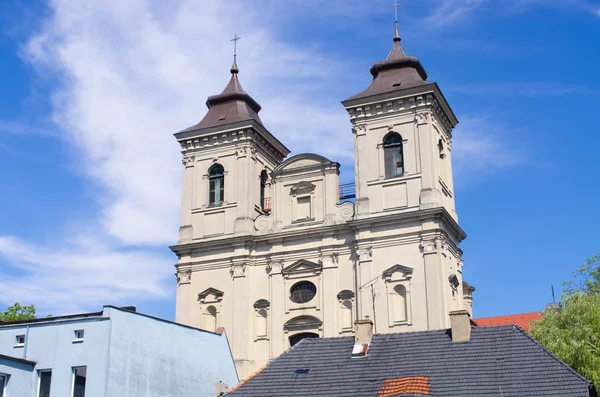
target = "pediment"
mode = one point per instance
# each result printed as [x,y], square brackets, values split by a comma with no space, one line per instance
[303,322]
[261,304]
[302,188]
[302,266]
[211,293]
[403,271]
[345,295]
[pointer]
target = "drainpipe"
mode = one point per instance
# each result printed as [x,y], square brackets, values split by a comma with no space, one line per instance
[26,341]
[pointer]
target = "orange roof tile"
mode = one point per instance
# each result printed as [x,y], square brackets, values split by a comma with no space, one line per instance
[412,385]
[247,379]
[523,320]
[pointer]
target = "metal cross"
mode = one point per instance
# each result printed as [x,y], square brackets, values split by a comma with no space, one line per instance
[235,39]
[396,6]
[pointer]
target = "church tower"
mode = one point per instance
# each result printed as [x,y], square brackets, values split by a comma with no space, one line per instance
[273,251]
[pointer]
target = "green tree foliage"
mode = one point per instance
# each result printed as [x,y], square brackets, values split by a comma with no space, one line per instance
[572,333]
[17,312]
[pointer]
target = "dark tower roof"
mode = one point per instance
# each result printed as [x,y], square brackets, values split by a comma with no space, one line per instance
[230,106]
[397,72]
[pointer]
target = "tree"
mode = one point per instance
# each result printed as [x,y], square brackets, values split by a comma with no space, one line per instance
[572,332]
[17,312]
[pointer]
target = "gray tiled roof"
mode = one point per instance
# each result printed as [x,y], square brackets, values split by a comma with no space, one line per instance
[497,361]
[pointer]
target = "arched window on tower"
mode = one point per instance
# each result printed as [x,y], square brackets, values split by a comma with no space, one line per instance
[216,185]
[211,319]
[399,303]
[393,154]
[264,204]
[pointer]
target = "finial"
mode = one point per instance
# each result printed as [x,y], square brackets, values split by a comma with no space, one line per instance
[396,34]
[234,67]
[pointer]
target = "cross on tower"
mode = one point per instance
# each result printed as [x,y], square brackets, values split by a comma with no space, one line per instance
[235,39]
[396,6]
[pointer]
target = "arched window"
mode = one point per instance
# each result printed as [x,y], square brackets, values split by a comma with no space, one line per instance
[393,154]
[399,303]
[261,323]
[216,185]
[347,314]
[263,186]
[211,318]
[298,337]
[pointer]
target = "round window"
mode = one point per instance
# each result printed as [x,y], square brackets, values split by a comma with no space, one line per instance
[303,292]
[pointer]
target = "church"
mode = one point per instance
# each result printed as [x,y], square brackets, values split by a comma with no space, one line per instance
[274,250]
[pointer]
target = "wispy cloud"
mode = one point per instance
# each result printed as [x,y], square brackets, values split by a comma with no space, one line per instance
[481,148]
[451,12]
[22,128]
[78,275]
[525,89]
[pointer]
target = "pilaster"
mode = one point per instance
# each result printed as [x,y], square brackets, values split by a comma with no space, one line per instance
[434,287]
[184,281]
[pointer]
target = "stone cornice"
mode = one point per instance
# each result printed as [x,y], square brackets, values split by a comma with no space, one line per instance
[403,100]
[233,133]
[225,242]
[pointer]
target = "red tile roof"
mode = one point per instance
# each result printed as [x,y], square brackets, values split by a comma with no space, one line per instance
[413,385]
[523,320]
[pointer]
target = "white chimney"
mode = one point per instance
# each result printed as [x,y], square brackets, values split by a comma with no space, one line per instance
[460,321]
[363,332]
[220,389]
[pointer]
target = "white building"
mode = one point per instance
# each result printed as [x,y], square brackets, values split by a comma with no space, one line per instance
[269,249]
[115,352]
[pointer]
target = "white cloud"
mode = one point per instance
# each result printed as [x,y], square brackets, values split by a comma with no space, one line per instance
[451,12]
[79,275]
[481,147]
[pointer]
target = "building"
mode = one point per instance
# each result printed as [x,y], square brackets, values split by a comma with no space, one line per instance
[461,361]
[275,250]
[523,320]
[114,352]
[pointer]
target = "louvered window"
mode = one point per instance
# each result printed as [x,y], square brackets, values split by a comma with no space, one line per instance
[393,153]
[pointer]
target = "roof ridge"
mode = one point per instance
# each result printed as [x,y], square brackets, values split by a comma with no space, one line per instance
[551,354]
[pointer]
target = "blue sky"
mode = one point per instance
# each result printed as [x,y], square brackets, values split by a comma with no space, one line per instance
[92,92]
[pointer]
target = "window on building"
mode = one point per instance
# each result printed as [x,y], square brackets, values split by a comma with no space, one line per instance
[303,292]
[216,185]
[264,205]
[393,154]
[211,318]
[399,303]
[3,379]
[79,334]
[261,323]
[303,335]
[44,383]
[347,314]
[79,379]
[20,340]
[303,208]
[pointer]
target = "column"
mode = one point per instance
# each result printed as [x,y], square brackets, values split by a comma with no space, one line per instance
[360,168]
[185,229]
[430,194]
[329,291]
[241,309]
[184,281]
[434,288]
[365,280]
[277,297]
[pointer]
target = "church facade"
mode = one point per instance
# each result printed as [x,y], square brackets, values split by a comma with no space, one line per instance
[274,251]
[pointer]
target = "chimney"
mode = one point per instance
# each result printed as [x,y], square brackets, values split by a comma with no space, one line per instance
[363,332]
[220,389]
[460,322]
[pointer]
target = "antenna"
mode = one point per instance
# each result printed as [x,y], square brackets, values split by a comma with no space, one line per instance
[553,300]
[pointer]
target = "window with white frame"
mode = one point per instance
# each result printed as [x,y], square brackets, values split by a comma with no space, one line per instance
[19,340]
[45,380]
[79,379]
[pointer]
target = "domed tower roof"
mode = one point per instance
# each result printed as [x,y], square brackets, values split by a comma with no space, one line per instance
[398,71]
[230,106]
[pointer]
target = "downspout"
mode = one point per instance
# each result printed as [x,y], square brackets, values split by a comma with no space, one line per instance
[26,341]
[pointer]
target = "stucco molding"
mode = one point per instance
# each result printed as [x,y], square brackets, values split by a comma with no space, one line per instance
[238,270]
[302,322]
[404,272]
[210,295]
[328,261]
[302,266]
[184,276]
[364,254]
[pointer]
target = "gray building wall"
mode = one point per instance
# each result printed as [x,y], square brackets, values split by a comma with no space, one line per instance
[126,354]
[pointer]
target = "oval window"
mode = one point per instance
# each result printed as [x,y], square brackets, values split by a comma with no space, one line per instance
[303,292]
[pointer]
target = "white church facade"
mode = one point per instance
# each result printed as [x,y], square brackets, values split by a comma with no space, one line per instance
[274,251]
